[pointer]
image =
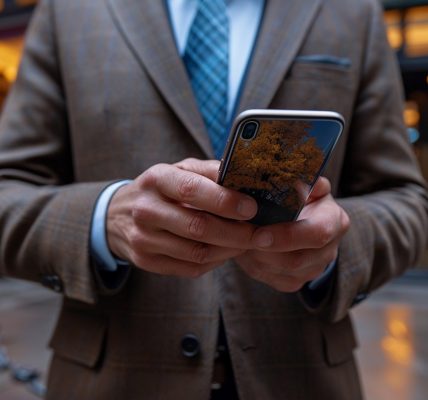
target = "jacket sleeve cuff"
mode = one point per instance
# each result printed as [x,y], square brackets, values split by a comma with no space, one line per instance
[111,272]
[316,293]
[100,251]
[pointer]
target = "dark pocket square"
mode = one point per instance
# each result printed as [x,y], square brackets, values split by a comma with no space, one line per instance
[325,59]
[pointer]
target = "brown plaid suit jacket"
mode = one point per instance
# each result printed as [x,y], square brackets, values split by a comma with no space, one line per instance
[102,95]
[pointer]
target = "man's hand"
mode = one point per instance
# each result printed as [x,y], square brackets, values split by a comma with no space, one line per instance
[288,255]
[175,220]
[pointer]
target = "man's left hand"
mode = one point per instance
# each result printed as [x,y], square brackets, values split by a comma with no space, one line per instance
[288,255]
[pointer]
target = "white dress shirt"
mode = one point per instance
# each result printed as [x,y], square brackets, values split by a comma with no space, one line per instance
[244,21]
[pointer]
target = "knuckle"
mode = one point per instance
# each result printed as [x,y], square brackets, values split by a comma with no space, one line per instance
[143,211]
[345,220]
[186,163]
[200,253]
[139,242]
[140,211]
[221,199]
[188,187]
[325,235]
[197,226]
[134,238]
[149,178]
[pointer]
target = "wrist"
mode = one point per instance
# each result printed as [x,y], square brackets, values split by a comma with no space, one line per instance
[116,223]
[100,249]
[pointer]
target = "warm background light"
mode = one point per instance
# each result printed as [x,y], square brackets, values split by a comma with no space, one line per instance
[397,343]
[10,51]
[25,3]
[409,29]
[417,32]
[412,114]
[395,36]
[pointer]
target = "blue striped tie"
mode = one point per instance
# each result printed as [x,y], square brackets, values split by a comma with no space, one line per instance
[206,59]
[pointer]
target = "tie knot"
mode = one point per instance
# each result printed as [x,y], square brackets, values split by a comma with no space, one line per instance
[214,9]
[215,4]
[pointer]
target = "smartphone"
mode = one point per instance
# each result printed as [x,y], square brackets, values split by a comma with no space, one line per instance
[276,156]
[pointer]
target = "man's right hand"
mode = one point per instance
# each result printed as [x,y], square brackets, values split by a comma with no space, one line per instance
[175,220]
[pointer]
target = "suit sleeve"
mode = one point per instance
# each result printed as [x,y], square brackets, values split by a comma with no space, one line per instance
[381,186]
[45,218]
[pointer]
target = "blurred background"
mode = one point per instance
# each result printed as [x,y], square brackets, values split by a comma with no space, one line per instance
[391,325]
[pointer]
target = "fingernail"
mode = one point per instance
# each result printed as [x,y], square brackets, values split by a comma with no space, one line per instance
[263,239]
[247,208]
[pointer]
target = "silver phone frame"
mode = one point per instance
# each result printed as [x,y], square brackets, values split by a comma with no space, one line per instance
[274,113]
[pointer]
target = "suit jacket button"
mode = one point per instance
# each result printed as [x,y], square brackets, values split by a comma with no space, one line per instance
[52,282]
[22,374]
[190,346]
[359,298]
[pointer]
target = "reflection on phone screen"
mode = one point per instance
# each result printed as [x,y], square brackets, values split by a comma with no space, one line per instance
[280,164]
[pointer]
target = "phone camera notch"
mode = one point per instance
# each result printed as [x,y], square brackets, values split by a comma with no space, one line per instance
[249,130]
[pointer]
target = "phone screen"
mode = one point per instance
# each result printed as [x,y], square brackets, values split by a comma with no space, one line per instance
[277,160]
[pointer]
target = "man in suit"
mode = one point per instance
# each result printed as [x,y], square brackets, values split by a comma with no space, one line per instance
[168,291]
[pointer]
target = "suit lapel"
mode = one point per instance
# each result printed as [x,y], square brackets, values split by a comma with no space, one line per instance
[145,26]
[284,27]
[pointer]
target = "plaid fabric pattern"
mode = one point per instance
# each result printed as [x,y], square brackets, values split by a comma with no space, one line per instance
[207,59]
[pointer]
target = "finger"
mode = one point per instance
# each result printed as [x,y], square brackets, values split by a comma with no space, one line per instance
[207,168]
[199,192]
[282,278]
[164,265]
[321,188]
[192,224]
[286,284]
[327,223]
[302,264]
[165,243]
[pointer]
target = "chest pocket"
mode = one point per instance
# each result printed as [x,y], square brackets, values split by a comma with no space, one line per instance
[319,82]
